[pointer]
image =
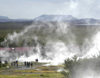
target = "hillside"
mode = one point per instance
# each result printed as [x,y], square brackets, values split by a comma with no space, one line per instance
[7,23]
[82,28]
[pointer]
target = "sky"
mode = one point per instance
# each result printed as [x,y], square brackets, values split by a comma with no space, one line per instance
[29,9]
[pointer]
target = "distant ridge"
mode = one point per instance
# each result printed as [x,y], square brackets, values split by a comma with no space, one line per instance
[6,19]
[3,17]
[66,18]
[55,18]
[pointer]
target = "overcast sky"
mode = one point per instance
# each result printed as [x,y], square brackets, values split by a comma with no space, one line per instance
[32,8]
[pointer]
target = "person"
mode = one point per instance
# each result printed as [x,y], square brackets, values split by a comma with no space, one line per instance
[0,63]
[11,63]
[6,62]
[36,60]
[28,64]
[25,63]
[16,63]
[31,64]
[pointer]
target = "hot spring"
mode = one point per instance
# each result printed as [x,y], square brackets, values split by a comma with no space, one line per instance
[52,42]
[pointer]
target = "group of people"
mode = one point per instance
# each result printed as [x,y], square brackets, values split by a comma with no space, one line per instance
[15,63]
[28,64]
[3,63]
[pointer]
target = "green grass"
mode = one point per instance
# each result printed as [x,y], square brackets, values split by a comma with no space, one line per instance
[41,75]
[39,71]
[31,73]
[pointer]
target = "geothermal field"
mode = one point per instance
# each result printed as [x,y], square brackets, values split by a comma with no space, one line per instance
[44,48]
[49,38]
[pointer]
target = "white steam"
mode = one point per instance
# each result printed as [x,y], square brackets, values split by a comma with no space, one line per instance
[52,41]
[94,50]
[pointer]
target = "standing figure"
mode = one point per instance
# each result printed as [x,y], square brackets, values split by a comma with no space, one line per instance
[36,60]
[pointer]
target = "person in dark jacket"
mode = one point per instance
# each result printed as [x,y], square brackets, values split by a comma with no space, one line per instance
[36,60]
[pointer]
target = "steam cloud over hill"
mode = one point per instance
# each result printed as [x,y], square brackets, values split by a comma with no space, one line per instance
[52,36]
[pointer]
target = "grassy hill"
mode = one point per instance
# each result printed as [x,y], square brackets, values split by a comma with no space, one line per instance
[43,29]
[10,27]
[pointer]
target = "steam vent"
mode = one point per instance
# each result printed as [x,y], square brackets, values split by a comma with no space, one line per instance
[49,39]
